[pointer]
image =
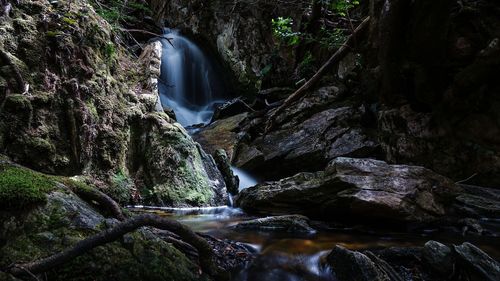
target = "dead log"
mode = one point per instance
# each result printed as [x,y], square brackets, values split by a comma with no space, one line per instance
[205,252]
[302,91]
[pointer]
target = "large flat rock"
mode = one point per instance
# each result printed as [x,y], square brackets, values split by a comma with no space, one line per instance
[357,188]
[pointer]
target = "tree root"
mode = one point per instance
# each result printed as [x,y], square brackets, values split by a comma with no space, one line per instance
[302,91]
[205,253]
[104,201]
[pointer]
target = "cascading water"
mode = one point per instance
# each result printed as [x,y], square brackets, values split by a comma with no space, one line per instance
[190,82]
[246,180]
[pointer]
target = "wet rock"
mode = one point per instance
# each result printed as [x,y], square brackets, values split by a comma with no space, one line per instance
[356,188]
[289,223]
[478,201]
[221,134]
[232,181]
[308,135]
[478,261]
[230,108]
[439,257]
[229,254]
[435,261]
[354,266]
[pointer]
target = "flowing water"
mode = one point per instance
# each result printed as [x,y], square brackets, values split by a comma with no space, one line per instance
[189,83]
[190,86]
[288,256]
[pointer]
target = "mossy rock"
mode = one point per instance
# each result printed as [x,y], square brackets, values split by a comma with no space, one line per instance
[177,172]
[21,187]
[64,220]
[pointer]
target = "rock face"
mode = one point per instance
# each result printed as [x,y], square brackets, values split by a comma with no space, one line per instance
[362,188]
[86,105]
[310,133]
[288,223]
[467,148]
[59,219]
[240,32]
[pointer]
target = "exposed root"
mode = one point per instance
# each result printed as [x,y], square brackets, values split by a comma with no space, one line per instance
[205,252]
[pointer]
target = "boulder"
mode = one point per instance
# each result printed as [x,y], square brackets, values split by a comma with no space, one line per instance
[482,265]
[434,261]
[58,219]
[439,257]
[232,181]
[308,135]
[172,169]
[221,134]
[288,223]
[354,266]
[356,188]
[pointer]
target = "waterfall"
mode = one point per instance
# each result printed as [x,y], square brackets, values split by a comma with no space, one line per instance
[246,180]
[189,83]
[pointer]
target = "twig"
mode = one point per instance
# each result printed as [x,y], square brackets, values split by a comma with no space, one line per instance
[467,179]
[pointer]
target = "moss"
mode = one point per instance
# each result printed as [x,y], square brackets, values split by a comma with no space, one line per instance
[18,102]
[20,187]
[120,187]
[41,146]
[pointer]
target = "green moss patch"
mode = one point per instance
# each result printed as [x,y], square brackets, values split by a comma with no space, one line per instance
[21,187]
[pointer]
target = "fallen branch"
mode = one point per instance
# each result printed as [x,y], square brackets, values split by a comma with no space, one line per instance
[302,91]
[205,253]
[467,179]
[169,40]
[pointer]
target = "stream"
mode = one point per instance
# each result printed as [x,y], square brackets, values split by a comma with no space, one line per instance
[190,85]
[298,256]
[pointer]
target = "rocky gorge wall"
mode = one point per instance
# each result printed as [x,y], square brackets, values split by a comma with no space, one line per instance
[74,101]
[432,106]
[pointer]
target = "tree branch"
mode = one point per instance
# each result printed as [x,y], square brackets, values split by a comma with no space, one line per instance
[205,253]
[302,91]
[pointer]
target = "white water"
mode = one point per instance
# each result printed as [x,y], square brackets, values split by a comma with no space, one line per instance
[189,81]
[246,180]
